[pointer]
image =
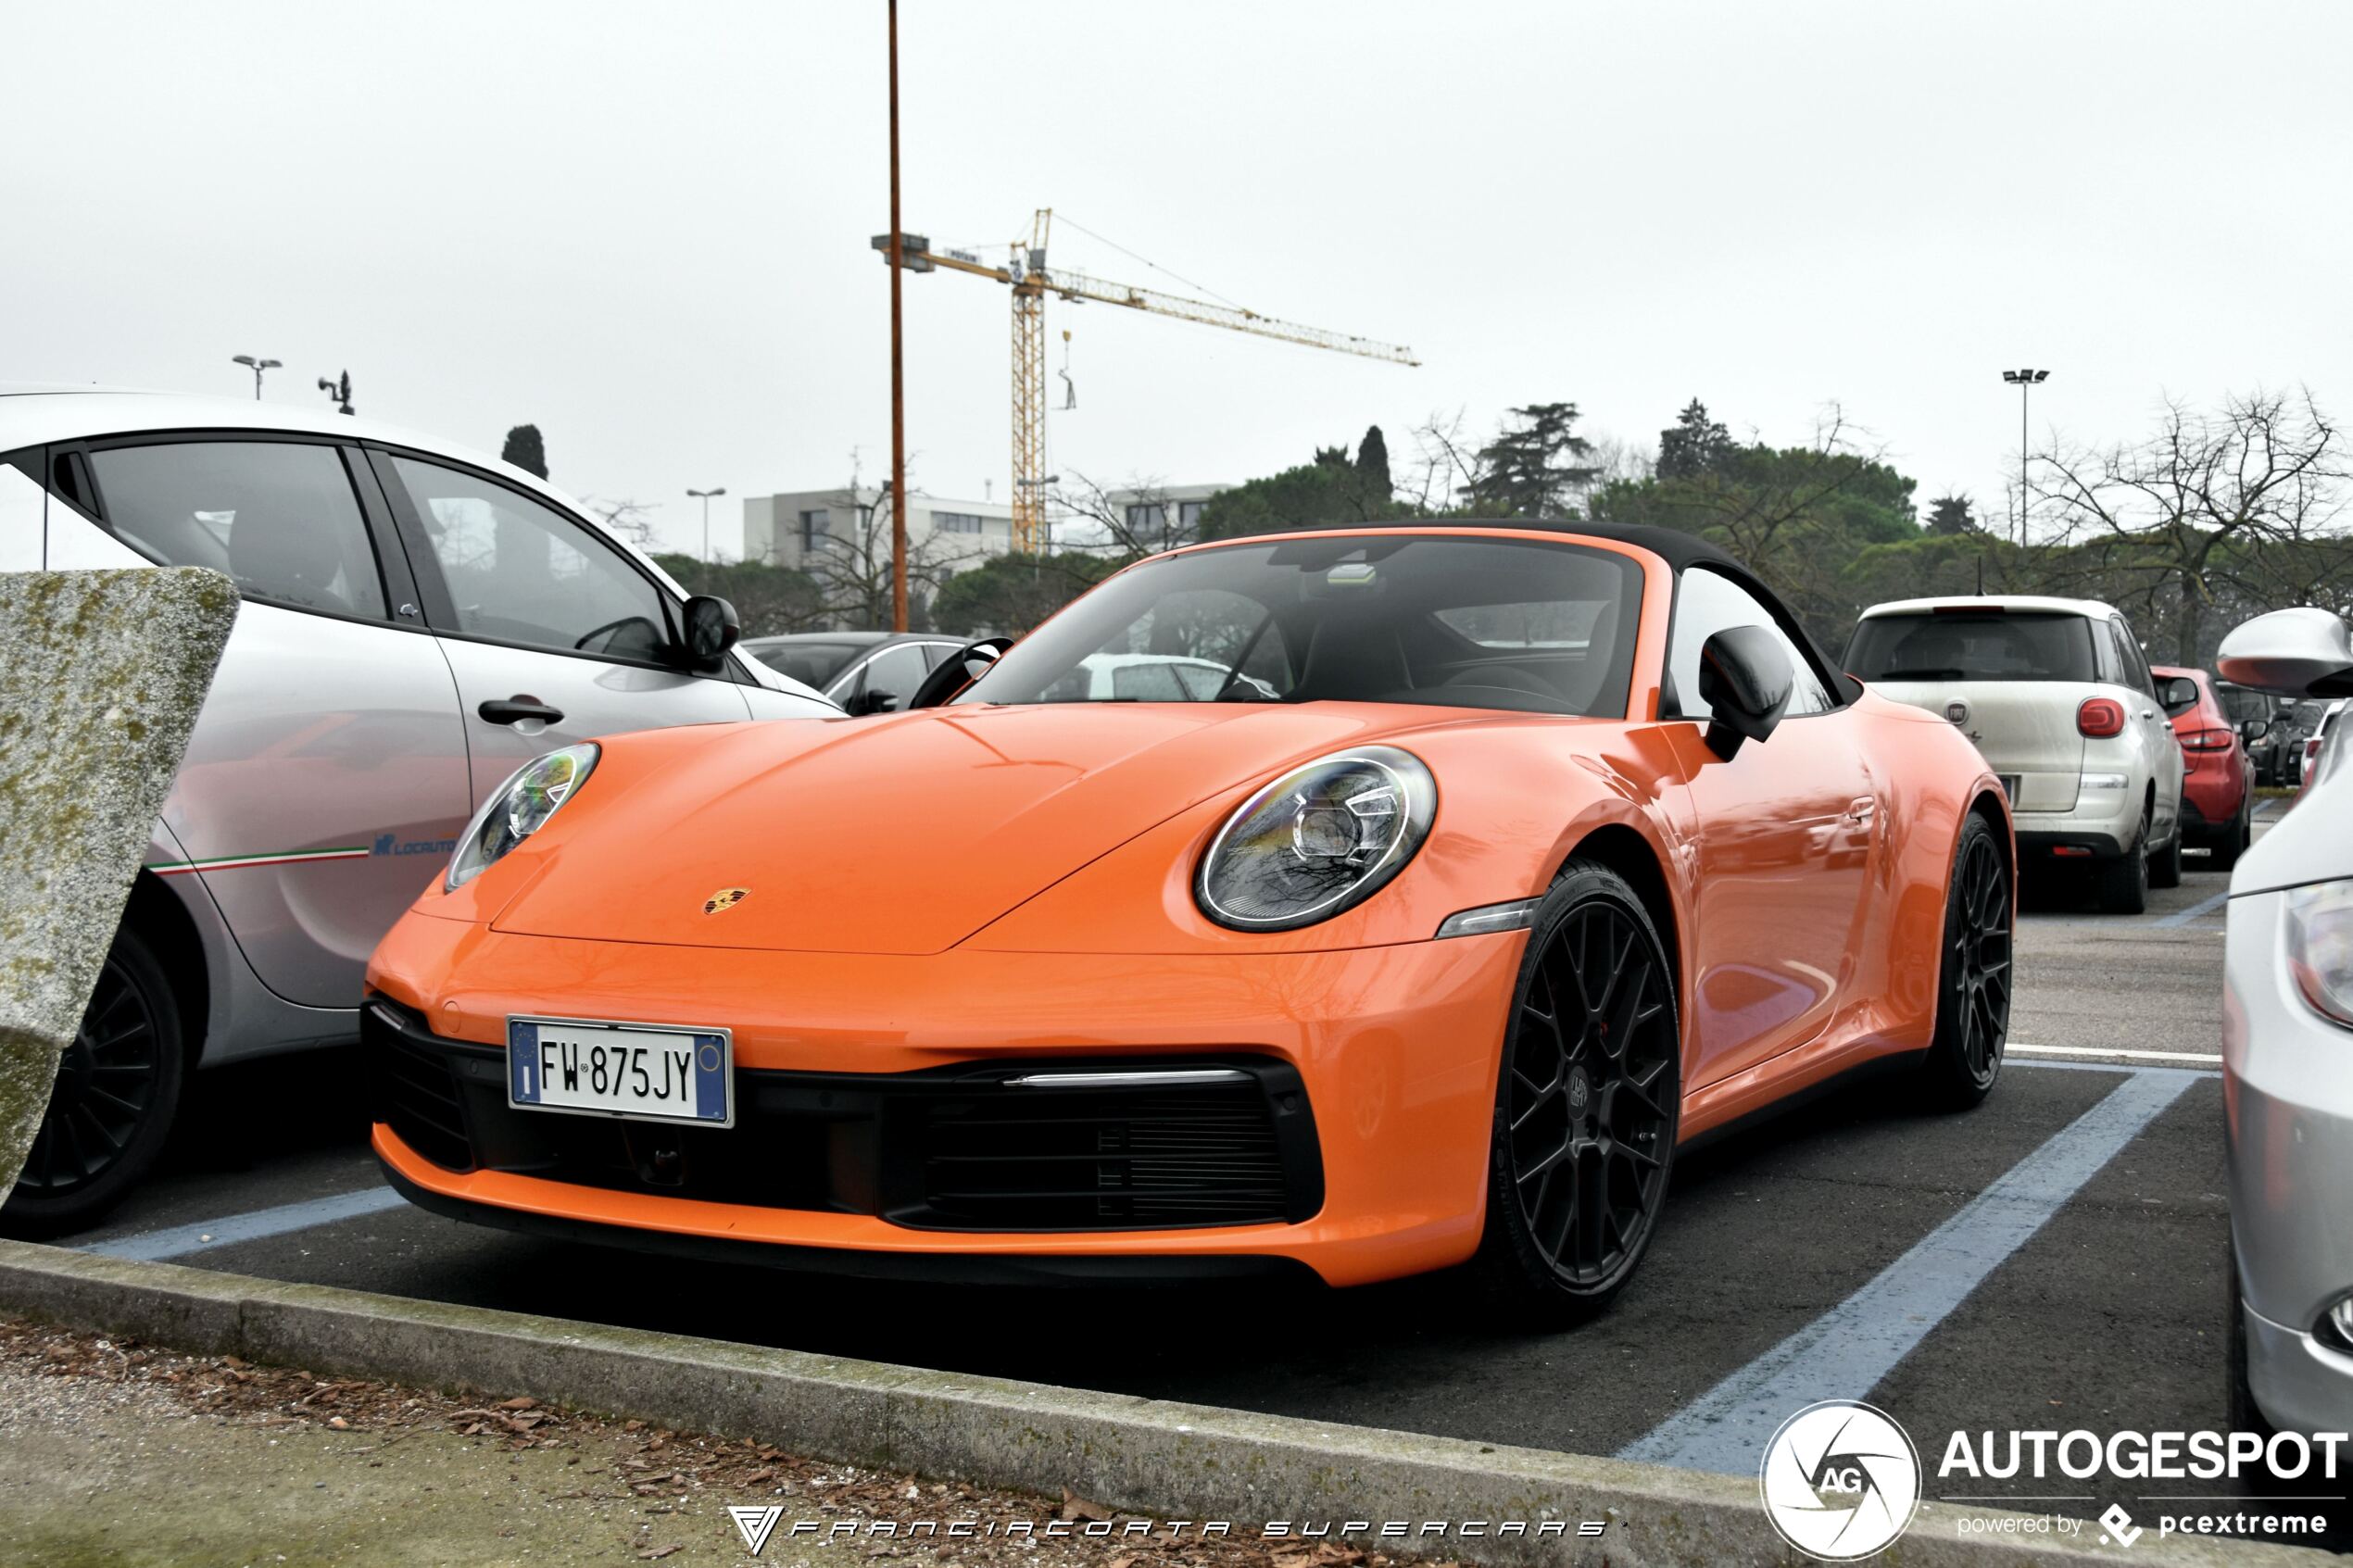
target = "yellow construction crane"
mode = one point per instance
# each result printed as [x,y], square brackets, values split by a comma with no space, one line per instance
[1027,273]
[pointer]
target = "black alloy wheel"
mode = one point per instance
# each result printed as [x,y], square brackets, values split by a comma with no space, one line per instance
[1588,1101]
[1974,981]
[116,1092]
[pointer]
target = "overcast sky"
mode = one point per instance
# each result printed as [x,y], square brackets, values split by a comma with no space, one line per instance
[645,226]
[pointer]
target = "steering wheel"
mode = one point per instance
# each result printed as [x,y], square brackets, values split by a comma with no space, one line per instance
[953,674]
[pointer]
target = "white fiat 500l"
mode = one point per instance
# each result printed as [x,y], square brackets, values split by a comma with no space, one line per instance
[2287,1064]
[417,622]
[2061,702]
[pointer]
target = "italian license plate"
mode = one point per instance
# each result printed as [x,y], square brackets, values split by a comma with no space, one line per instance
[2009,785]
[640,1071]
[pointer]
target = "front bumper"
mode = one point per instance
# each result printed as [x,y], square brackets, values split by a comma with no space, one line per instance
[1391,1054]
[2287,1085]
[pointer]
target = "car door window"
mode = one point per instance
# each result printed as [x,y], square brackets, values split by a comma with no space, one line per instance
[2136,666]
[520,571]
[1708,602]
[279,517]
[895,673]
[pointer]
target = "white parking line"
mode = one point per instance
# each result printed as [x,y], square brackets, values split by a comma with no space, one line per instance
[180,1240]
[1846,1351]
[2197,1059]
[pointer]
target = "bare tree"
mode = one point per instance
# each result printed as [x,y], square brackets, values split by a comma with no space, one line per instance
[632,521]
[2210,509]
[1137,519]
[1446,464]
[851,564]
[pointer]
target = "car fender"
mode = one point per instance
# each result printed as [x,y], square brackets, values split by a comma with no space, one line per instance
[1515,799]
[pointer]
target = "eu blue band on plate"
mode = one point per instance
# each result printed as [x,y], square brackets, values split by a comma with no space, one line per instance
[710,1078]
[522,1062]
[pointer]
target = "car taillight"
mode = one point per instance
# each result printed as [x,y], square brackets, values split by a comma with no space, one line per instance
[2099,717]
[2208,740]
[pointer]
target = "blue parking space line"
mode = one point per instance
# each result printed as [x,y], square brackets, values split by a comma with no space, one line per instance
[1846,1352]
[153,1246]
[2203,907]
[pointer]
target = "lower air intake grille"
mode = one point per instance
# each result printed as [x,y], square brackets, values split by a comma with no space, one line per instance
[1072,1159]
[416,1095]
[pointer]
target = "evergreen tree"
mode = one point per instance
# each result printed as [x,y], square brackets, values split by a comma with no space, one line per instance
[1952,514]
[1522,472]
[1696,445]
[525,450]
[1372,462]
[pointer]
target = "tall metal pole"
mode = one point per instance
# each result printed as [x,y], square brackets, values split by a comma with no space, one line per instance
[707,495]
[2023,385]
[898,366]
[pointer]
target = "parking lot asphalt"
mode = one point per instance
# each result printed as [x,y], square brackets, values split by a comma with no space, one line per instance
[2053,1259]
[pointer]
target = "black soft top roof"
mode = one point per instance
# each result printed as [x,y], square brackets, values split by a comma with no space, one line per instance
[1677,549]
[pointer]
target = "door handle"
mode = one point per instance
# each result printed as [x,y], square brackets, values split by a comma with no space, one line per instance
[516,709]
[1860,811]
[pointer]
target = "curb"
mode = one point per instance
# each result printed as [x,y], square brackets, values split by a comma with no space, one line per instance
[1152,1457]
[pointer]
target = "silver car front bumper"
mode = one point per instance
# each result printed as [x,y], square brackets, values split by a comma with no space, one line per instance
[2287,1085]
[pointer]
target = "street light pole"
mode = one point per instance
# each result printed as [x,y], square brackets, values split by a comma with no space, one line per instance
[2023,379]
[898,366]
[258,366]
[705,496]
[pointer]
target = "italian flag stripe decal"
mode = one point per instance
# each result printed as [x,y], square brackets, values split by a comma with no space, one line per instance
[238,863]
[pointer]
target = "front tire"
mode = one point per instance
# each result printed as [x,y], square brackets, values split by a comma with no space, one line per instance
[117,1095]
[1974,978]
[1588,1100]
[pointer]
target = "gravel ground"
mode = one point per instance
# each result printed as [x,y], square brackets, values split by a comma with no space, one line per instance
[115,1452]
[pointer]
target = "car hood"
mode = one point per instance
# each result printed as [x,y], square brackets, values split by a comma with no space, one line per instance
[901,833]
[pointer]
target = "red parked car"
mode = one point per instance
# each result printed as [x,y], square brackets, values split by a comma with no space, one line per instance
[2218,786]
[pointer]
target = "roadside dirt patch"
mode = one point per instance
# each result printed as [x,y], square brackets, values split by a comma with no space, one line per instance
[116,1452]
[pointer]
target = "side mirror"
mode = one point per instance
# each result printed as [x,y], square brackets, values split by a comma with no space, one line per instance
[1745,679]
[868,702]
[712,627]
[2303,652]
[2253,730]
[960,670]
[2176,693]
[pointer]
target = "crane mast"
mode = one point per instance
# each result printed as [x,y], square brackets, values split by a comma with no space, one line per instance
[1030,281]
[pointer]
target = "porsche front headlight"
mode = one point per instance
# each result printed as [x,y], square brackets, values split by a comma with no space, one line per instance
[518,808]
[2320,946]
[1321,839]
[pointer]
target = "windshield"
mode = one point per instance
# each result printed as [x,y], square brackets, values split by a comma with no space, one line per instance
[1460,622]
[812,664]
[1973,645]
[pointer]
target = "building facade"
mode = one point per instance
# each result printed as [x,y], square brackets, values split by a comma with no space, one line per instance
[802,527]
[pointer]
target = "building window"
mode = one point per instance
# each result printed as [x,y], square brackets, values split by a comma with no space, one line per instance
[1146,518]
[815,524]
[956,523]
[1188,513]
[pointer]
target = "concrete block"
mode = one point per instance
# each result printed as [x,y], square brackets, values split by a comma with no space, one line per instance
[102,674]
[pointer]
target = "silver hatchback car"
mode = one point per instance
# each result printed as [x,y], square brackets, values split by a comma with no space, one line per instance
[418,622]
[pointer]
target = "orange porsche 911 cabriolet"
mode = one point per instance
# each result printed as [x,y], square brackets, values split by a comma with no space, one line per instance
[1361,902]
